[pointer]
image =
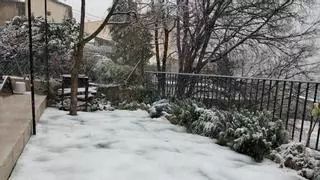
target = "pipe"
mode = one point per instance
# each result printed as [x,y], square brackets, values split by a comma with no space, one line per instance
[46,45]
[34,131]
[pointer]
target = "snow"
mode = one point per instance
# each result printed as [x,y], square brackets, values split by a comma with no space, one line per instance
[80,90]
[126,145]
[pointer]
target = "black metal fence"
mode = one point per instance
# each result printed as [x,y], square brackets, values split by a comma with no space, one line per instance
[289,100]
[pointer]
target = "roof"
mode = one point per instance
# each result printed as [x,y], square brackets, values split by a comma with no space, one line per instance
[10,1]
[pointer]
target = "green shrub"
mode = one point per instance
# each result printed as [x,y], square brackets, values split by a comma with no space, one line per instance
[209,123]
[132,106]
[186,112]
[254,134]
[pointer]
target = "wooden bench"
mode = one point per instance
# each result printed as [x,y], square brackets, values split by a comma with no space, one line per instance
[83,82]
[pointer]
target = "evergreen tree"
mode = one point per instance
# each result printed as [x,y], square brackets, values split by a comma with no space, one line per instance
[131,41]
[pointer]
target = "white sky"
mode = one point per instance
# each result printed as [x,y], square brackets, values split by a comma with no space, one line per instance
[95,9]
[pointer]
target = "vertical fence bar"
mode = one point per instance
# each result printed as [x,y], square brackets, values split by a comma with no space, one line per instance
[235,91]
[256,96]
[212,91]
[289,104]
[318,136]
[215,88]
[209,90]
[172,85]
[168,82]
[176,85]
[198,93]
[239,93]
[196,90]
[166,87]
[262,94]
[282,98]
[275,100]
[296,110]
[157,82]
[304,111]
[200,79]
[269,92]
[218,89]
[206,95]
[315,100]
[202,89]
[250,93]
[224,90]
[245,91]
[230,89]
[153,84]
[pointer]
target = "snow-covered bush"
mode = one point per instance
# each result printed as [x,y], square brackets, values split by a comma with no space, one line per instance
[210,122]
[296,156]
[254,134]
[132,106]
[14,46]
[186,111]
[106,71]
[158,108]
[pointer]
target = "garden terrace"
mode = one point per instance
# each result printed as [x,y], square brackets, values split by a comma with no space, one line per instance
[126,145]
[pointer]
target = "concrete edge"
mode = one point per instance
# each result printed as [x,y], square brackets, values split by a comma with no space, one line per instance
[10,162]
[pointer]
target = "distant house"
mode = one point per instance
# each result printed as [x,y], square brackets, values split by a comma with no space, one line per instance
[10,9]
[57,11]
[103,37]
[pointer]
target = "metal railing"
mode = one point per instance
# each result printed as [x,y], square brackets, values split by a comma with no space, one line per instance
[290,100]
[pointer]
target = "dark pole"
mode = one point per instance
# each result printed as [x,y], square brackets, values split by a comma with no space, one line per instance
[34,131]
[46,45]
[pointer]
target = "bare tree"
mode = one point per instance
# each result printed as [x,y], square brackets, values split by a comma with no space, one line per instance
[162,26]
[211,31]
[79,46]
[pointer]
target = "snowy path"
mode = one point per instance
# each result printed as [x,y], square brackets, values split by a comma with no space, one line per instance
[123,145]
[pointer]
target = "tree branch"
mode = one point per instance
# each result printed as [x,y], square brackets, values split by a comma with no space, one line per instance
[105,22]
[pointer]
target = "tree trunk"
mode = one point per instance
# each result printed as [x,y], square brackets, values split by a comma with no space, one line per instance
[74,79]
[164,62]
[78,55]
[78,51]
[311,130]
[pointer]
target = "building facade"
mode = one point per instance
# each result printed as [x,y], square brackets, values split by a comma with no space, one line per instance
[91,26]
[57,11]
[9,9]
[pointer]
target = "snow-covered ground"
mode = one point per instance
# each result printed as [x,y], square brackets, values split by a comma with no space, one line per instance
[124,145]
